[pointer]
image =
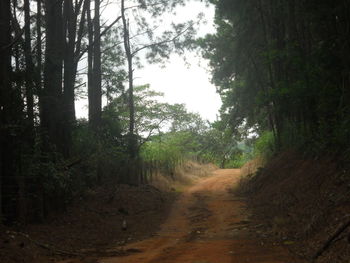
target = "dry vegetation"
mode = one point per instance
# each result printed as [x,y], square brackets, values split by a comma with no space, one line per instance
[184,175]
[304,204]
[93,223]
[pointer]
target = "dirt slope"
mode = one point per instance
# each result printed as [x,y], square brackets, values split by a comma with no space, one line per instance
[91,223]
[206,225]
[304,201]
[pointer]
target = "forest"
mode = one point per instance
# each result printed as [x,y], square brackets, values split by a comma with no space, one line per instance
[55,52]
[282,71]
[281,68]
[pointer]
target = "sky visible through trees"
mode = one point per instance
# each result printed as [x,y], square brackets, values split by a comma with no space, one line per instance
[107,53]
[183,79]
[281,70]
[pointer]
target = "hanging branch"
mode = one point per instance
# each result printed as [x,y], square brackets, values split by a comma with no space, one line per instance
[331,239]
[160,42]
[101,35]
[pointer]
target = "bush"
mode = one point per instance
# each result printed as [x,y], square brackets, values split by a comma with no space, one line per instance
[264,146]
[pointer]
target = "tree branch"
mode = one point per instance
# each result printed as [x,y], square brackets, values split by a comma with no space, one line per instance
[330,240]
[160,42]
[151,132]
[102,34]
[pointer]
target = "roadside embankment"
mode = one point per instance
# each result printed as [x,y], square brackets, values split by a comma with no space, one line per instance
[304,203]
[94,221]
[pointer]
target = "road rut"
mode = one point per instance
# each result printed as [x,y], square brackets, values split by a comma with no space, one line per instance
[208,224]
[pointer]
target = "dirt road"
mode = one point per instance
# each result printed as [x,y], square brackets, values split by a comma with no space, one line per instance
[208,224]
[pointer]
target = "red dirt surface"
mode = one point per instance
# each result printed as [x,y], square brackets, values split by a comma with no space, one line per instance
[303,202]
[207,224]
[91,224]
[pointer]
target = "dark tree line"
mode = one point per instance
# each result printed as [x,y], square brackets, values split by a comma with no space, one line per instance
[283,66]
[44,45]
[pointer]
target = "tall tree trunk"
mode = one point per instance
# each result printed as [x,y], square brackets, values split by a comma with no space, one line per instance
[94,69]
[69,72]
[71,59]
[97,65]
[69,65]
[132,140]
[39,189]
[52,93]
[16,48]
[90,63]
[5,87]
[72,51]
[29,73]
[39,50]
[273,107]
[10,120]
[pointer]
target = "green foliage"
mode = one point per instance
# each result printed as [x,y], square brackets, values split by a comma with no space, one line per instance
[265,146]
[151,115]
[204,143]
[104,153]
[48,155]
[48,181]
[237,161]
[273,76]
[165,154]
[112,65]
[169,149]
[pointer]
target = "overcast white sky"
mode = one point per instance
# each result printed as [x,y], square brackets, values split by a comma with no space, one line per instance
[184,84]
[180,82]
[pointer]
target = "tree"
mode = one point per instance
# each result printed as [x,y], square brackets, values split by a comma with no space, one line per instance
[74,25]
[132,143]
[10,119]
[51,95]
[95,101]
[40,55]
[65,23]
[29,72]
[151,116]
[38,73]
[160,47]
[266,60]
[113,71]
[6,164]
